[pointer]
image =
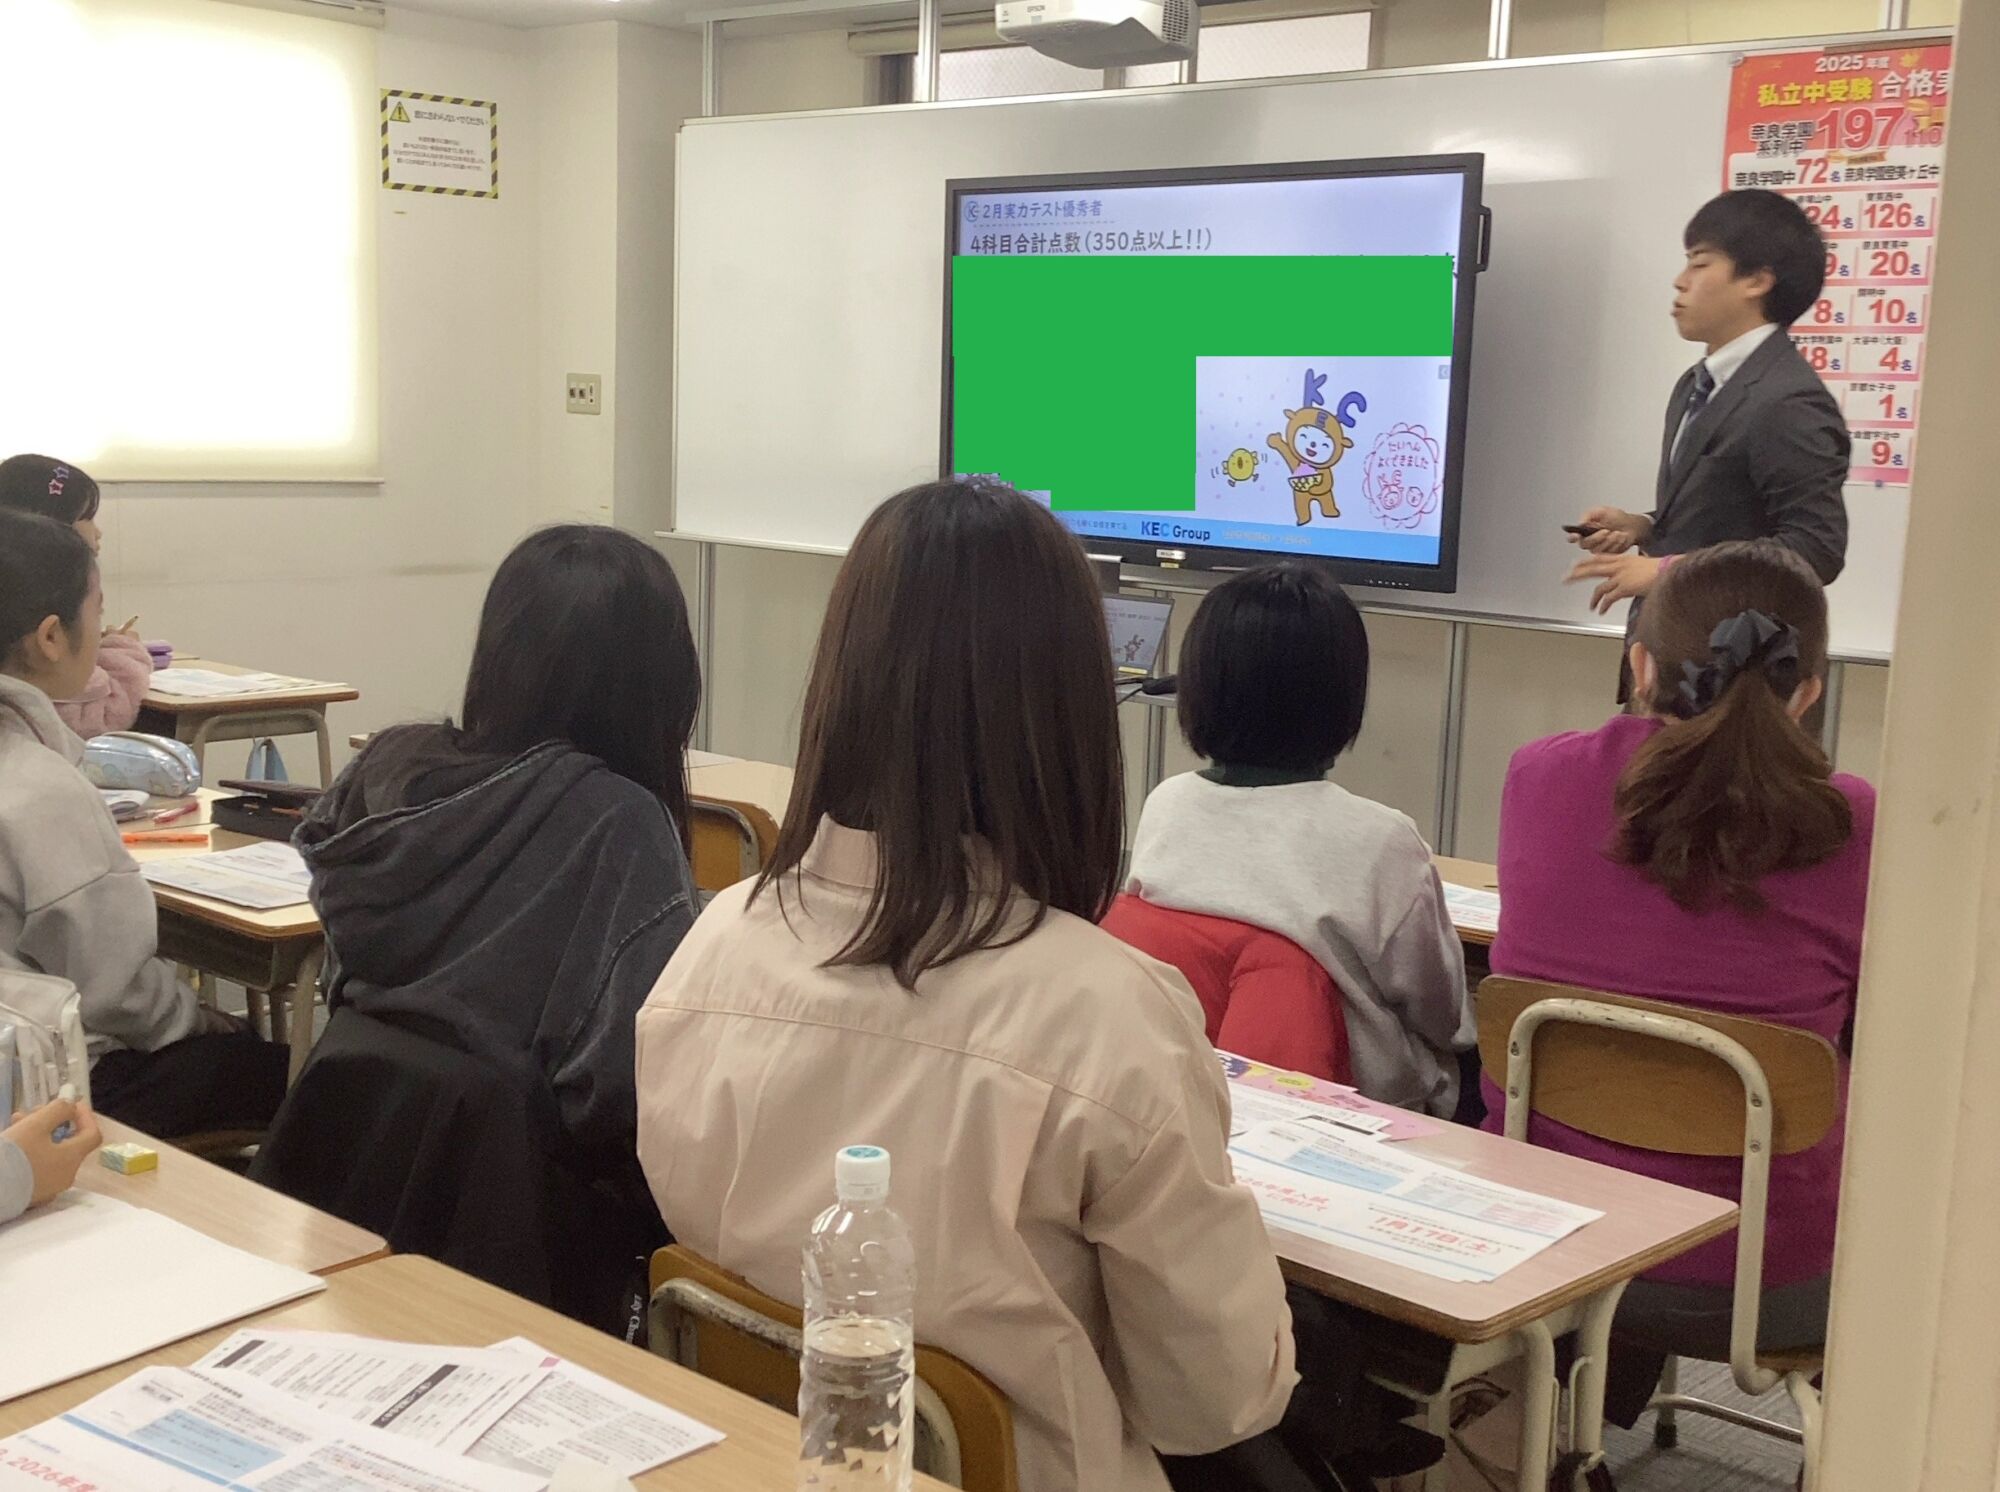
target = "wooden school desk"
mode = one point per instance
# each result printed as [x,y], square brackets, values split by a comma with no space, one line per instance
[1480,877]
[244,717]
[765,784]
[276,953]
[1574,1285]
[231,1209]
[411,1299]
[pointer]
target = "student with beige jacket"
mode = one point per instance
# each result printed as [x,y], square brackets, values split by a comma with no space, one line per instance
[919,969]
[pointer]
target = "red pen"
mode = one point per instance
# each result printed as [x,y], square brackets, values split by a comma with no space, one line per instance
[169,815]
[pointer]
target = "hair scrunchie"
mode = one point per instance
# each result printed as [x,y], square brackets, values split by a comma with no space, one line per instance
[1748,640]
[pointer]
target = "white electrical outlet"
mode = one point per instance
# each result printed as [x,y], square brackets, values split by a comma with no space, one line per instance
[586,393]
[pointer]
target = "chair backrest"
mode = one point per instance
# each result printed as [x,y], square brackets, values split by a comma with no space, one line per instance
[1635,1089]
[732,841]
[718,1324]
[1668,1078]
[1262,995]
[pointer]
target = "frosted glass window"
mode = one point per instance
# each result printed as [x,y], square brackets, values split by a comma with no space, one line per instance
[189,262]
[1271,49]
[1009,72]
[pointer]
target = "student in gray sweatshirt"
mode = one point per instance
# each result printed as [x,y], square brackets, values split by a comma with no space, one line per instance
[72,901]
[1273,683]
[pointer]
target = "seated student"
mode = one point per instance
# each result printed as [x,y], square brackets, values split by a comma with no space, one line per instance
[35,1166]
[110,699]
[1273,683]
[918,967]
[1703,854]
[72,902]
[508,888]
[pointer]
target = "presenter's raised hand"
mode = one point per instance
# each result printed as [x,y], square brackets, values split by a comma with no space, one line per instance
[1620,577]
[1617,530]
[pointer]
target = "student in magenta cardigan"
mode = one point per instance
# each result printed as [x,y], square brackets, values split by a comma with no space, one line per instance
[1702,853]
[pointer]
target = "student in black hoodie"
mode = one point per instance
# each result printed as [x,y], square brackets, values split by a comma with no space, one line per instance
[499,897]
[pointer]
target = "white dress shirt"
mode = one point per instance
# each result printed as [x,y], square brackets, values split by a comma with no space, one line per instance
[1724,362]
[1722,365]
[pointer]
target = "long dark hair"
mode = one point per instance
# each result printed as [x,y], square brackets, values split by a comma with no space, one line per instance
[962,690]
[584,638]
[1731,791]
[44,572]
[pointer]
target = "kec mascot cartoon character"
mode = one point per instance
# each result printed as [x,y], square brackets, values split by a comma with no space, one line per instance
[1315,438]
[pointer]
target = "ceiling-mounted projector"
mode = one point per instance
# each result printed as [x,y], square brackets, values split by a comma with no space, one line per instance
[1102,33]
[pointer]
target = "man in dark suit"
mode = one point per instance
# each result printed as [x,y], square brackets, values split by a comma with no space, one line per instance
[1754,447]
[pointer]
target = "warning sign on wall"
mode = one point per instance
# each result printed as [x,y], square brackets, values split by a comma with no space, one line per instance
[435,143]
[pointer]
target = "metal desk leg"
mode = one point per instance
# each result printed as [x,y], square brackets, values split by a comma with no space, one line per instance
[251,725]
[1538,1404]
[196,740]
[1437,1420]
[1593,1359]
[299,1016]
[1666,1425]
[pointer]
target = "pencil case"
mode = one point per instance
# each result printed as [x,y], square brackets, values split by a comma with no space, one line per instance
[263,810]
[136,762]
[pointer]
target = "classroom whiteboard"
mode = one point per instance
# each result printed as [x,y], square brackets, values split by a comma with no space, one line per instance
[810,286]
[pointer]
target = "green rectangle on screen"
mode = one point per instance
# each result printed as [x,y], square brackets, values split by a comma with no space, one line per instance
[1075,375]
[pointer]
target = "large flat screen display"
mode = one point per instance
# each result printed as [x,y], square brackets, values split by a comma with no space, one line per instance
[1206,368]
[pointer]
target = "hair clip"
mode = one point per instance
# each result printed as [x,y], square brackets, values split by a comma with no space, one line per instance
[1748,640]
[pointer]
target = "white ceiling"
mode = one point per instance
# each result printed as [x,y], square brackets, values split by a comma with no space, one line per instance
[556,12]
[746,17]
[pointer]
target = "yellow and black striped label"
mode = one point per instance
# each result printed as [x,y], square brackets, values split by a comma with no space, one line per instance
[393,112]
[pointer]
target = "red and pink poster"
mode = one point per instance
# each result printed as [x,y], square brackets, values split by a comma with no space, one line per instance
[1856,137]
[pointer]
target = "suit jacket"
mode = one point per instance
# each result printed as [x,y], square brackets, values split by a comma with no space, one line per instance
[1766,459]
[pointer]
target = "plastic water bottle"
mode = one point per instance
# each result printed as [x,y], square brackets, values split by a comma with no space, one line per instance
[857,1384]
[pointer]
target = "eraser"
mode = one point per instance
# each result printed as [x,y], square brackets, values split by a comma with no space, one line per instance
[128,1159]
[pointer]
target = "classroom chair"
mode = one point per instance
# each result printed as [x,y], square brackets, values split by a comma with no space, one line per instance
[716,1323]
[1262,996]
[732,841]
[1714,1085]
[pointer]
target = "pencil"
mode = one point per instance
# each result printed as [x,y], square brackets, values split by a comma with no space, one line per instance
[172,836]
